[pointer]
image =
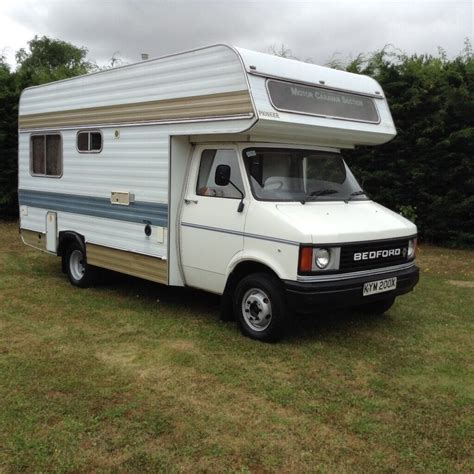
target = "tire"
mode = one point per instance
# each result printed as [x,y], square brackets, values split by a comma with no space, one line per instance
[78,271]
[376,307]
[260,307]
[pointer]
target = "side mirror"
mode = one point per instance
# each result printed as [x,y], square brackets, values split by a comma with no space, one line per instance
[222,177]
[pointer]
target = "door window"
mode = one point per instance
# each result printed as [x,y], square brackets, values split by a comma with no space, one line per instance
[210,160]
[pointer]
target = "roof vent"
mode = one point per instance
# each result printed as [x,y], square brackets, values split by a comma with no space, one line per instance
[322,82]
[145,56]
[254,68]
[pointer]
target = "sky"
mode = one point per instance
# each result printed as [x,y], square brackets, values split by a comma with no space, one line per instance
[313,30]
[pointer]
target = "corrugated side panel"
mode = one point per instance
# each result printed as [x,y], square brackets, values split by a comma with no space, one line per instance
[137,162]
[207,71]
[108,232]
[35,220]
[113,233]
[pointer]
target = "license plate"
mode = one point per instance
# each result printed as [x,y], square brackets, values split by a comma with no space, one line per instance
[379,286]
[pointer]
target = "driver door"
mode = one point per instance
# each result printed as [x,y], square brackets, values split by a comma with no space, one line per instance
[211,226]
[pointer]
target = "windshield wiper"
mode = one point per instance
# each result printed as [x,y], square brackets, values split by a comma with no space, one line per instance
[319,192]
[356,193]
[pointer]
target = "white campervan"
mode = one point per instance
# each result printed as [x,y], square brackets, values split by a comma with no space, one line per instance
[220,169]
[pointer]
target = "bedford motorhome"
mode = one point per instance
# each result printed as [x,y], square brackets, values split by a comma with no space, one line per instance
[219,169]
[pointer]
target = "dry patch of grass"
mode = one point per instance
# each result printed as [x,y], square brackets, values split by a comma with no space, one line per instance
[110,379]
[462,284]
[447,263]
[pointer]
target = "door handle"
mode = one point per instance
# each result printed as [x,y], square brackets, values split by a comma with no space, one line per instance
[189,201]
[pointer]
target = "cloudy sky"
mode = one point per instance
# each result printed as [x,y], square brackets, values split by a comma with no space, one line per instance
[312,29]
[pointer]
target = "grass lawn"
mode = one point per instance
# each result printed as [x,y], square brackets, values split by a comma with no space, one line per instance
[132,376]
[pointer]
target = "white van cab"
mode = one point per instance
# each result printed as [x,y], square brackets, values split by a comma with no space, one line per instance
[220,169]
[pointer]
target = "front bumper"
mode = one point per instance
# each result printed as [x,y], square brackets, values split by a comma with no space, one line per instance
[308,297]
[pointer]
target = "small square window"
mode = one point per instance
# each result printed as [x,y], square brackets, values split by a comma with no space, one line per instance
[89,142]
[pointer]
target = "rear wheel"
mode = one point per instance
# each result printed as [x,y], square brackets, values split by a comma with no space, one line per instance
[78,271]
[376,307]
[260,307]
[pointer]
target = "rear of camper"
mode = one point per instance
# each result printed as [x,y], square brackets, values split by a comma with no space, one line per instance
[196,169]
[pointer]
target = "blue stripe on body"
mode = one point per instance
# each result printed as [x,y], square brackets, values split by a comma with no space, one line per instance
[140,211]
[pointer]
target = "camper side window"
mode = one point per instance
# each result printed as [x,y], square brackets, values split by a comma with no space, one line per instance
[89,142]
[46,155]
[210,160]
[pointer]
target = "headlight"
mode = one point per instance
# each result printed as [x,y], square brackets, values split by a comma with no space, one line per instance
[411,248]
[316,259]
[321,258]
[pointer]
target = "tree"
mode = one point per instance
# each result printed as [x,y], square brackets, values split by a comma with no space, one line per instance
[283,52]
[429,165]
[45,60]
[8,140]
[50,60]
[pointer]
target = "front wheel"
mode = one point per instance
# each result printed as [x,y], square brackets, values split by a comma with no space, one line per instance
[78,271]
[260,307]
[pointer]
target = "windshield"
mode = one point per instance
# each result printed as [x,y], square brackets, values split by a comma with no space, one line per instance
[283,174]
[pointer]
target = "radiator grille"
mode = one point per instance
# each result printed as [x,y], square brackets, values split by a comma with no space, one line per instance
[378,255]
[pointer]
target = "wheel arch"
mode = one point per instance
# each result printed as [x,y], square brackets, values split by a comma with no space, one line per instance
[66,237]
[245,266]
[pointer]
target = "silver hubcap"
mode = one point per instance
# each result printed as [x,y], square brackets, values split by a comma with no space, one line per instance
[76,264]
[257,309]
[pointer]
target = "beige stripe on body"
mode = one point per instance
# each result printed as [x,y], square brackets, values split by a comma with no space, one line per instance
[213,105]
[130,263]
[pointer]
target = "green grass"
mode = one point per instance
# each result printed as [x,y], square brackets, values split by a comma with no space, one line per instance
[131,376]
